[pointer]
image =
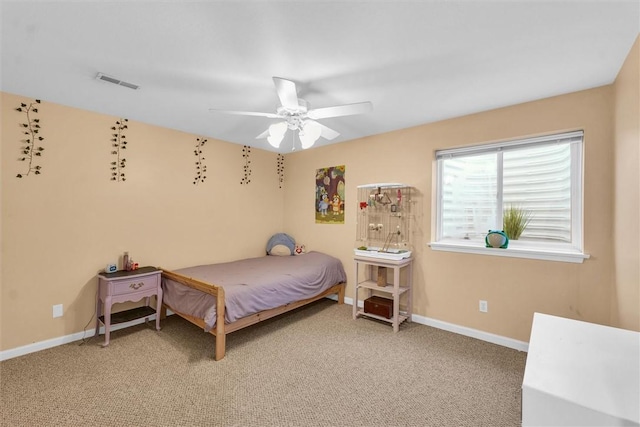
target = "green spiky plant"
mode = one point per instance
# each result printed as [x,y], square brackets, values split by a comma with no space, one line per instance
[514,221]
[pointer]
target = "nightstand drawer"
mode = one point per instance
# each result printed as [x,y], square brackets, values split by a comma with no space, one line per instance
[135,284]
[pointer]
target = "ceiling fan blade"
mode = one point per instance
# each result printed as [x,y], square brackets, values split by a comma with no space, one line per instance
[246,113]
[287,93]
[340,110]
[263,134]
[326,132]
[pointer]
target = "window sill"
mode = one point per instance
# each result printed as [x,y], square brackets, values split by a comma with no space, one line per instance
[512,252]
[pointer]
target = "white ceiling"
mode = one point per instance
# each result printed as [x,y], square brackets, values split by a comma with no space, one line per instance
[416,61]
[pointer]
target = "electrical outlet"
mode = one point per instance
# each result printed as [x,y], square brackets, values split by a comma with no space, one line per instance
[57,310]
[484,307]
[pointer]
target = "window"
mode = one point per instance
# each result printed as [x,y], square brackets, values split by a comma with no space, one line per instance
[542,176]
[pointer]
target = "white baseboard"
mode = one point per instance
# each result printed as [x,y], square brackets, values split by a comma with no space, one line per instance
[439,324]
[54,342]
[473,333]
[462,330]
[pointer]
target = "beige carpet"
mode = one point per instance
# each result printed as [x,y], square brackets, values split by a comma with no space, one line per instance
[312,367]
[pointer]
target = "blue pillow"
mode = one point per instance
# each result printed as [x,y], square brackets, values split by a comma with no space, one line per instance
[279,242]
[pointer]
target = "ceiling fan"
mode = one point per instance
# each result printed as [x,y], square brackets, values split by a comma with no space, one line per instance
[294,113]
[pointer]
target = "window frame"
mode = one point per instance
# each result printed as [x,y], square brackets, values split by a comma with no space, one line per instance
[553,251]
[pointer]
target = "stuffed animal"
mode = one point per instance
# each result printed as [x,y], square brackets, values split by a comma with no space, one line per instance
[300,250]
[281,244]
[496,239]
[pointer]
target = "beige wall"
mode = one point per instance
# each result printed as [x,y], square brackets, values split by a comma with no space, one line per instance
[626,295]
[449,285]
[60,228]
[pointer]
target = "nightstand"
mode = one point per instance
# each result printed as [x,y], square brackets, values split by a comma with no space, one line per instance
[123,286]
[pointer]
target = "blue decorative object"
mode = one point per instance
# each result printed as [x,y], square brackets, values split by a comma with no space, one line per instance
[496,239]
[281,239]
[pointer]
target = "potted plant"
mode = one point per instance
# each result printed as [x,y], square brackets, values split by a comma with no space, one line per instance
[514,221]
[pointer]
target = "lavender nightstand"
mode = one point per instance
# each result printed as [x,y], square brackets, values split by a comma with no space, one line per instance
[123,286]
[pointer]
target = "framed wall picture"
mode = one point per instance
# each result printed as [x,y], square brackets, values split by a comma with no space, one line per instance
[330,195]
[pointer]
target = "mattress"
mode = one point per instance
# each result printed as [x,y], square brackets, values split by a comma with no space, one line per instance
[254,284]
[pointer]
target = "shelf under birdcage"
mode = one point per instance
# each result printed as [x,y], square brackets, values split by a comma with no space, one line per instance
[375,252]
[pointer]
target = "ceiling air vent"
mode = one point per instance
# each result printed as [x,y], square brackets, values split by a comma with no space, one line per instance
[115,81]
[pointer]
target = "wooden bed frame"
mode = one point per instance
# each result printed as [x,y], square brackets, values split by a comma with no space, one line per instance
[221,329]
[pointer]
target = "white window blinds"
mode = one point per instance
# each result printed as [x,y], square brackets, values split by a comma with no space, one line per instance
[541,175]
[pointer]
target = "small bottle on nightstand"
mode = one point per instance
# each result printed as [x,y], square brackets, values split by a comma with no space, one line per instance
[125,261]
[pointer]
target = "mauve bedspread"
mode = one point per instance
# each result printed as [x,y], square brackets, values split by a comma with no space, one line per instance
[254,284]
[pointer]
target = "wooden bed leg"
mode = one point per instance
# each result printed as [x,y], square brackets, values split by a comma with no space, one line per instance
[341,294]
[163,312]
[220,327]
[220,346]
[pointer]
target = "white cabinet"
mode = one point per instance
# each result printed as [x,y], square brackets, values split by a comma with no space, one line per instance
[581,374]
[367,267]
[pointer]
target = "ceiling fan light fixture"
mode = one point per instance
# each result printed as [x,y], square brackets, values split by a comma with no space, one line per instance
[309,133]
[275,141]
[276,133]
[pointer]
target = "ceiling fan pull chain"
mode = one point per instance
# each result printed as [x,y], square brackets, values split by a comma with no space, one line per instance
[293,141]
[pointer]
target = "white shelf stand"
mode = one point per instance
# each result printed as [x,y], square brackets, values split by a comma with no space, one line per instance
[394,289]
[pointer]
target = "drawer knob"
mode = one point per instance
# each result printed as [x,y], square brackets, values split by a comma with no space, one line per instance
[136,285]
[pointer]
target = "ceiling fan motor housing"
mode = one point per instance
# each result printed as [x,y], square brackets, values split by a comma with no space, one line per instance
[295,117]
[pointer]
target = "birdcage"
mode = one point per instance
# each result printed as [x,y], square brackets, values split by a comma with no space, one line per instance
[383,227]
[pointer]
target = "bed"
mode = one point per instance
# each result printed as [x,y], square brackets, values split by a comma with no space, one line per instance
[225,297]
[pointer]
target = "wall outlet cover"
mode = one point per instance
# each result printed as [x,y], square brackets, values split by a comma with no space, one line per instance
[484,306]
[57,310]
